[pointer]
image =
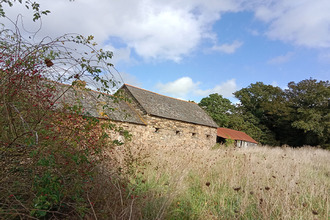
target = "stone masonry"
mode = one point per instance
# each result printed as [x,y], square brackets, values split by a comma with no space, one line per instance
[166,132]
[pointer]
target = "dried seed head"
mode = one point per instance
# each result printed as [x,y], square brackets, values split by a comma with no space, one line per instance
[315,212]
[237,189]
[267,188]
[49,63]
[207,183]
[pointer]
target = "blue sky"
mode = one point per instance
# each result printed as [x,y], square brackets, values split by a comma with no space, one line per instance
[191,48]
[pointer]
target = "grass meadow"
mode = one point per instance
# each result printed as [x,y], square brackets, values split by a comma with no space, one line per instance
[230,183]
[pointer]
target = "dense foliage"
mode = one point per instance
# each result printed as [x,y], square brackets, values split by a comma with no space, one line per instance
[295,116]
[219,108]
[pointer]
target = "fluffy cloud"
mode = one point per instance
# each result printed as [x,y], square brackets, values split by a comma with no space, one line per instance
[281,59]
[274,83]
[179,88]
[130,79]
[153,29]
[228,48]
[302,22]
[171,30]
[225,89]
[119,54]
[185,86]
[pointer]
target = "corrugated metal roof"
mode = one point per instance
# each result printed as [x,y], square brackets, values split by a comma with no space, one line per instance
[235,135]
[170,108]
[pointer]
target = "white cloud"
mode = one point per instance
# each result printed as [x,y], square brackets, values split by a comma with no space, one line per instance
[274,83]
[130,79]
[171,30]
[185,86]
[228,48]
[225,89]
[119,54]
[118,78]
[301,22]
[179,88]
[154,29]
[281,59]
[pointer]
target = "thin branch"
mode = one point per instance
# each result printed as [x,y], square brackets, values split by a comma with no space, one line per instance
[24,123]
[91,206]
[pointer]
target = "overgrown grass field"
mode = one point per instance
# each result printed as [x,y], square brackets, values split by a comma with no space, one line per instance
[231,183]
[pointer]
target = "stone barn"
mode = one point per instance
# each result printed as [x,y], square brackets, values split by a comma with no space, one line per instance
[241,139]
[152,119]
[168,121]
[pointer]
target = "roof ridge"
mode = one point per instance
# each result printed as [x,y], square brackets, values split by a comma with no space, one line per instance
[161,94]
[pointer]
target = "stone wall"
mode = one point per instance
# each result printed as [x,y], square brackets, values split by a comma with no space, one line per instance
[172,133]
[163,132]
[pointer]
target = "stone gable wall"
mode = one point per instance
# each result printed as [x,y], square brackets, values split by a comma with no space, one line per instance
[132,101]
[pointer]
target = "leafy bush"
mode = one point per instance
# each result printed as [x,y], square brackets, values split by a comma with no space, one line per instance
[51,153]
[229,142]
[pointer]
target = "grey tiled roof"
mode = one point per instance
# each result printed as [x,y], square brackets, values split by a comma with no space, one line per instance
[171,108]
[94,102]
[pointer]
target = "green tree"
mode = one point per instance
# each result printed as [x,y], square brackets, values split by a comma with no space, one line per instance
[265,107]
[227,115]
[246,123]
[218,108]
[297,116]
[309,101]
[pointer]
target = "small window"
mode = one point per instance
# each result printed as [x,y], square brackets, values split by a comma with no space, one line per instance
[208,136]
[156,130]
[193,134]
[177,132]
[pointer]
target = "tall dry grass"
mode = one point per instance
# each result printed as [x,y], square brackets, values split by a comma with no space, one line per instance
[231,183]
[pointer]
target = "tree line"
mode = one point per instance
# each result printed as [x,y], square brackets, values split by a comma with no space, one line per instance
[295,116]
